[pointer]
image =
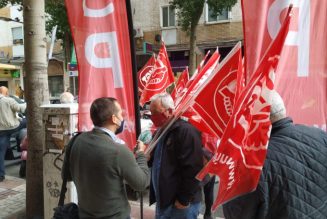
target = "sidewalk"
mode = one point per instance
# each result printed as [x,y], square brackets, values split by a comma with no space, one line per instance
[13,196]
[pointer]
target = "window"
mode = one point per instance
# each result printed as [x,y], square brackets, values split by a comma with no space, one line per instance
[212,17]
[168,16]
[17,35]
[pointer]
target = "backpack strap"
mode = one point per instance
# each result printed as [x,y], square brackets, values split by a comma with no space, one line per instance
[66,169]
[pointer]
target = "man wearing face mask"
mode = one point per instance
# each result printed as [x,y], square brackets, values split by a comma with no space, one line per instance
[176,160]
[100,162]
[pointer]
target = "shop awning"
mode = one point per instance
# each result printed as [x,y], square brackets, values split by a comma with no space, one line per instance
[8,67]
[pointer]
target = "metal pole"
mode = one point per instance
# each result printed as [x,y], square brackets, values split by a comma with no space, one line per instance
[134,71]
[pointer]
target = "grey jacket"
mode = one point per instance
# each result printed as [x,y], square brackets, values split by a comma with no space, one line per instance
[98,167]
[8,109]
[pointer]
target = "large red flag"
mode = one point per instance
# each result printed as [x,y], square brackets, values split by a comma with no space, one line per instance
[240,156]
[302,72]
[144,74]
[181,84]
[161,77]
[100,33]
[214,104]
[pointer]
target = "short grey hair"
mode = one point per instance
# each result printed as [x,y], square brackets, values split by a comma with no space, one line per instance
[277,109]
[66,97]
[166,100]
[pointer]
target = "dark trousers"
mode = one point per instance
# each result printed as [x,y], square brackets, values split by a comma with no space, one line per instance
[5,143]
[208,195]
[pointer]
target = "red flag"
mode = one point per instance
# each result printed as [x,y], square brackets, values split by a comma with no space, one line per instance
[302,72]
[200,66]
[144,74]
[240,156]
[100,33]
[161,77]
[181,84]
[214,104]
[199,79]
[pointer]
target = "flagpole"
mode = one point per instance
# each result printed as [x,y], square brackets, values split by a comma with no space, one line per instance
[135,85]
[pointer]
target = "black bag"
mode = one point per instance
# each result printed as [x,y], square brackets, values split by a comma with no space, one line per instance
[69,210]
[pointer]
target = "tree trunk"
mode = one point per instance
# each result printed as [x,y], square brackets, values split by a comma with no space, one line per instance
[194,25]
[192,58]
[37,93]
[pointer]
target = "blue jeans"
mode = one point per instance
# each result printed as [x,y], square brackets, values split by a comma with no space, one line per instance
[171,212]
[5,143]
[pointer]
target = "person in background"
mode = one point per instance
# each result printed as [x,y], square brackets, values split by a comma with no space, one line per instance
[293,181]
[100,162]
[176,160]
[19,92]
[210,144]
[66,97]
[9,124]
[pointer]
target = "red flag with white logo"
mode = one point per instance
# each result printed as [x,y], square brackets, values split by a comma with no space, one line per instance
[302,72]
[100,34]
[214,104]
[161,77]
[144,74]
[241,153]
[194,85]
[181,84]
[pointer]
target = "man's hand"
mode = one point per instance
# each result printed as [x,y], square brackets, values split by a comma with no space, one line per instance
[140,145]
[178,205]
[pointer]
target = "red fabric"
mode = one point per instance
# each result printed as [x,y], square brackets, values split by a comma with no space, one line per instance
[200,66]
[181,84]
[194,85]
[301,75]
[144,74]
[241,153]
[161,77]
[214,104]
[210,142]
[100,33]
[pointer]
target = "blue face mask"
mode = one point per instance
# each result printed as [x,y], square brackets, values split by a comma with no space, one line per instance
[121,128]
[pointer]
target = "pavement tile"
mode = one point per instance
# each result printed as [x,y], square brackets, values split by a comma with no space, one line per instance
[13,198]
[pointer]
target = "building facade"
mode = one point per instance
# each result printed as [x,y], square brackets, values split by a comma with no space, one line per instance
[156,20]
[12,55]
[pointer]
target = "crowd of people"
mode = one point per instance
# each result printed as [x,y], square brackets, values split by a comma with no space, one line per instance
[292,183]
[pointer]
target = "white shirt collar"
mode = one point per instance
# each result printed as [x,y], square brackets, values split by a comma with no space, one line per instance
[111,134]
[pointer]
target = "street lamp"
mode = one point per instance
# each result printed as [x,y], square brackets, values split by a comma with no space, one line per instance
[9,19]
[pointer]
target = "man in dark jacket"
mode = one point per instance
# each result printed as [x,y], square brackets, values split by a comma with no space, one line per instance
[293,182]
[175,162]
[100,162]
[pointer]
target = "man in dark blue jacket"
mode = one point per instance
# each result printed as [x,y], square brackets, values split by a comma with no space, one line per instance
[293,183]
[175,162]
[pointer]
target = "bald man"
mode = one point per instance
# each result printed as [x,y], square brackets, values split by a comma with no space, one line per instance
[9,124]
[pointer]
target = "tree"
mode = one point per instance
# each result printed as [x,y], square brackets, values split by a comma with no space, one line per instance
[189,13]
[37,94]
[55,15]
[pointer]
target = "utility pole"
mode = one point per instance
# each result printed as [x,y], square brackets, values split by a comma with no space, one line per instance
[37,93]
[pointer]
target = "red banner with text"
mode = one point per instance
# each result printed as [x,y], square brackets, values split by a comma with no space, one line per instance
[302,71]
[100,34]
